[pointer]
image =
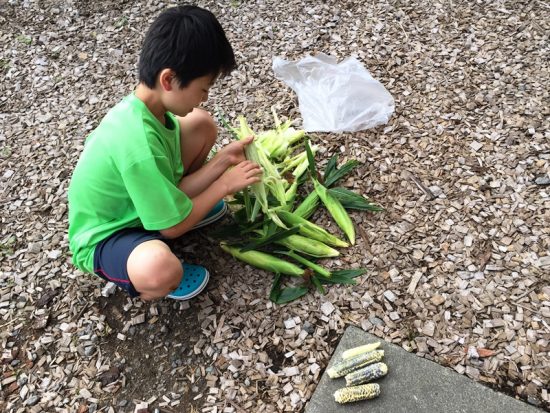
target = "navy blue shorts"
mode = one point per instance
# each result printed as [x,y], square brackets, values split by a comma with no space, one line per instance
[111,255]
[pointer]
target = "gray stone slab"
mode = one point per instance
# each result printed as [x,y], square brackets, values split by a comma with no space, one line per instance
[413,385]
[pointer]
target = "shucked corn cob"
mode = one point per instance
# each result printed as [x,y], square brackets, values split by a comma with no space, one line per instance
[352,352]
[366,374]
[356,393]
[347,366]
[264,261]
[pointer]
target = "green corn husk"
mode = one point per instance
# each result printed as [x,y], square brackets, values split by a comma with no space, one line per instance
[276,142]
[251,152]
[308,246]
[310,230]
[336,210]
[291,193]
[308,206]
[292,162]
[272,178]
[264,261]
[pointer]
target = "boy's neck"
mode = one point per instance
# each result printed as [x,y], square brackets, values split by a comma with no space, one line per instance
[152,100]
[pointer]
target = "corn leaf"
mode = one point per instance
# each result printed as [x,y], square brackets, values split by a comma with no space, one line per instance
[232,230]
[351,200]
[351,273]
[317,283]
[311,160]
[247,204]
[289,294]
[226,124]
[275,288]
[334,174]
[343,276]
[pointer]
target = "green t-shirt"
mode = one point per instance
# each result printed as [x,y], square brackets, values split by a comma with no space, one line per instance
[127,176]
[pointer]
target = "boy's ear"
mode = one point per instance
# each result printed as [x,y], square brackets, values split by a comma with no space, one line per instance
[166,76]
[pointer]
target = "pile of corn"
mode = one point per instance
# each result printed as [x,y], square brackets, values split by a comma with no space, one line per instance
[269,222]
[359,366]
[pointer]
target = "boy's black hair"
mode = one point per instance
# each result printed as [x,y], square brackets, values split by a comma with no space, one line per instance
[190,41]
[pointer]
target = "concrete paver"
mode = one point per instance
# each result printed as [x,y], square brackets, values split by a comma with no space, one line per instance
[413,385]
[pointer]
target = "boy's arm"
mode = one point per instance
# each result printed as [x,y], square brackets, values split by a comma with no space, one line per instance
[196,182]
[242,175]
[202,203]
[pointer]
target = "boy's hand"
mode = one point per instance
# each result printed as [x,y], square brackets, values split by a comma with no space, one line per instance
[235,150]
[242,175]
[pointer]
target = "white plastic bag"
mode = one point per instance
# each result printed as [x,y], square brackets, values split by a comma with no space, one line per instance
[335,97]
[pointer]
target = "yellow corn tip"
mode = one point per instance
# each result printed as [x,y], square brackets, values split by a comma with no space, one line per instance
[356,393]
[347,366]
[352,352]
[366,374]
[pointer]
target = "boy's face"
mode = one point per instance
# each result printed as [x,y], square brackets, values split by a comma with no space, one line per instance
[182,101]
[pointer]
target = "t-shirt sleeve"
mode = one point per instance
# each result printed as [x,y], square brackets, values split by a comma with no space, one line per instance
[159,203]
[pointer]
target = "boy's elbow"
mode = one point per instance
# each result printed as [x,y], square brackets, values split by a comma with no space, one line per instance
[170,233]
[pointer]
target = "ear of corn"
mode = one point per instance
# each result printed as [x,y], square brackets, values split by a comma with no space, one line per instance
[347,366]
[308,205]
[272,178]
[251,152]
[336,210]
[271,206]
[310,230]
[366,374]
[308,246]
[264,261]
[356,393]
[352,352]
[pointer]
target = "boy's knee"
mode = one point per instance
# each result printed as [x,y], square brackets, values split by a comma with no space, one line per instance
[204,125]
[156,269]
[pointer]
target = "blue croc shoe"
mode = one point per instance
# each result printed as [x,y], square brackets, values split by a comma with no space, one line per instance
[192,283]
[215,213]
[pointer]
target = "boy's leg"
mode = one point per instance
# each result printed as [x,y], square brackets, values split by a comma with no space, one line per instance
[198,133]
[154,270]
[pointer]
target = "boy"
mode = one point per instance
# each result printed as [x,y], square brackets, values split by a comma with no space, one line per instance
[141,178]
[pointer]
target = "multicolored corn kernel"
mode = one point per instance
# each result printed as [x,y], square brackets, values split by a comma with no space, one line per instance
[366,374]
[347,366]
